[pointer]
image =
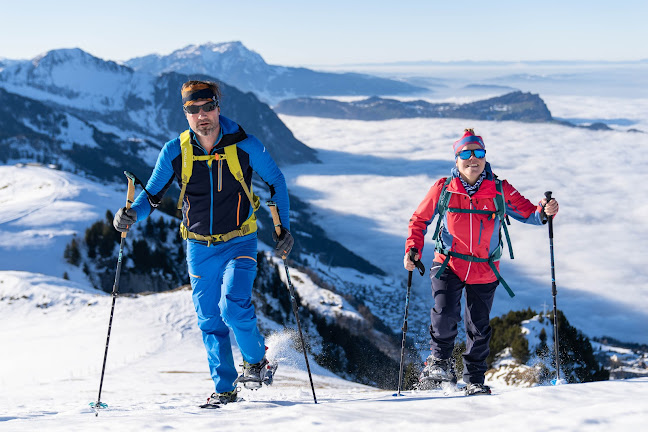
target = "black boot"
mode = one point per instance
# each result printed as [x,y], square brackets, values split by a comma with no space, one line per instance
[216,400]
[477,389]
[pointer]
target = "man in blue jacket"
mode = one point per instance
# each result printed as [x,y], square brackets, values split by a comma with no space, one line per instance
[213,163]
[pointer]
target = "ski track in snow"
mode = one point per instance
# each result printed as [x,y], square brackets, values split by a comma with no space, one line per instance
[44,190]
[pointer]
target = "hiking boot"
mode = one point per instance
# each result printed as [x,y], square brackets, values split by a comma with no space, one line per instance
[254,375]
[436,372]
[477,389]
[216,400]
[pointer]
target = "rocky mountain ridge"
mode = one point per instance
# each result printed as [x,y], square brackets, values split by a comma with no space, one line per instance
[233,63]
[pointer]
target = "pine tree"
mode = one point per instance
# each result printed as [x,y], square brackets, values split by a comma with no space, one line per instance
[543,349]
[72,254]
[520,349]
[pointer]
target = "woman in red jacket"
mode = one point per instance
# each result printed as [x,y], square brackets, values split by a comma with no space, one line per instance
[467,251]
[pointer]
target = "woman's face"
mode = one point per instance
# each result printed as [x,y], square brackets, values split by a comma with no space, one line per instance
[471,168]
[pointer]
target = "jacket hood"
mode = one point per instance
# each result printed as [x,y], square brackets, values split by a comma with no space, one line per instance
[228,126]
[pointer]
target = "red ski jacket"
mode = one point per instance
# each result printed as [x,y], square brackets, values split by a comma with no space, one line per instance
[472,234]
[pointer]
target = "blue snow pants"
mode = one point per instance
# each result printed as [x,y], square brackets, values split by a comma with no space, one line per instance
[222,276]
[446,314]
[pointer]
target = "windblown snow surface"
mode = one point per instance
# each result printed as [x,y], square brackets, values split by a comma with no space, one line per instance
[53,334]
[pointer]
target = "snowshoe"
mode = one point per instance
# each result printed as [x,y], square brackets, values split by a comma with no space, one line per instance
[257,374]
[436,374]
[474,389]
[217,400]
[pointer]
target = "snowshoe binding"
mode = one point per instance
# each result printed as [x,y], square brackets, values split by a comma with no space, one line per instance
[437,373]
[257,374]
[474,389]
[217,400]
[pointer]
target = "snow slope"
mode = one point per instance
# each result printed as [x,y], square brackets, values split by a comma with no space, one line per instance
[53,332]
[41,209]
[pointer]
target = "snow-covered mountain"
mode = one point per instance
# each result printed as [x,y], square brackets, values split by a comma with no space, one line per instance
[58,105]
[72,77]
[234,64]
[229,59]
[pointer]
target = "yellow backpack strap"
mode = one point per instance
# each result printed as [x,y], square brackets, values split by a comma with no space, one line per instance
[234,165]
[187,163]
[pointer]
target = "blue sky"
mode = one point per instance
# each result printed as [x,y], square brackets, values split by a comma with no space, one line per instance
[291,32]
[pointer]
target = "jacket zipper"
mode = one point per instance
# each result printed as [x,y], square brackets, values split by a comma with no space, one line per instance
[211,190]
[220,175]
[481,227]
[238,209]
[471,238]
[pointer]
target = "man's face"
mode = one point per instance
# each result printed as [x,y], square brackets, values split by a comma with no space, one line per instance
[204,123]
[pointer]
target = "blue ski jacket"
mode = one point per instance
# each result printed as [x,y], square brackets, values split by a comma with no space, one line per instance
[214,201]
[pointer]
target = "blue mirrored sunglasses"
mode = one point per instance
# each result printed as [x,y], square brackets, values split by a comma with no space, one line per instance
[465,154]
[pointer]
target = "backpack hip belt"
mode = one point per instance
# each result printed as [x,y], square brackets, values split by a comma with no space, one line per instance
[247,227]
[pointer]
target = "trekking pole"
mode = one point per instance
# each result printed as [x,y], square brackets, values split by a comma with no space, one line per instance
[553,292]
[412,256]
[277,225]
[129,201]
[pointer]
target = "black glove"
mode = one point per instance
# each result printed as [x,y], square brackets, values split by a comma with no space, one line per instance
[124,218]
[285,242]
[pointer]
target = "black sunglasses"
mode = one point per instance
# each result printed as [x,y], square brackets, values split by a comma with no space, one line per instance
[195,109]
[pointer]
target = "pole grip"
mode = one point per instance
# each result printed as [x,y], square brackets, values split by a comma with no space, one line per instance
[419,265]
[275,216]
[130,195]
[549,218]
[412,254]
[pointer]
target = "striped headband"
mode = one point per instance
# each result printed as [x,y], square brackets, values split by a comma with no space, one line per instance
[193,93]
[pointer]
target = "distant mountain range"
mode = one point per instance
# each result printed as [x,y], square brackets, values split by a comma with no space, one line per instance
[503,63]
[514,106]
[236,65]
[62,106]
